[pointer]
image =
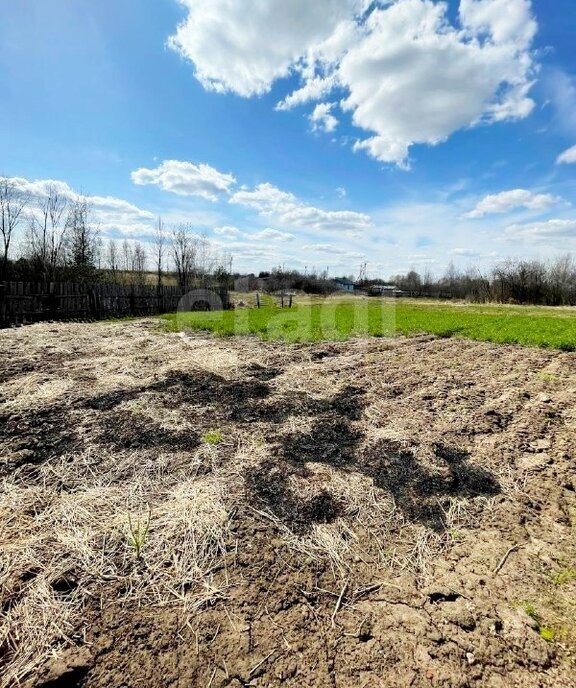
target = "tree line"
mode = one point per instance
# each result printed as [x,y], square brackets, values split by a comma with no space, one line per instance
[58,241]
[538,282]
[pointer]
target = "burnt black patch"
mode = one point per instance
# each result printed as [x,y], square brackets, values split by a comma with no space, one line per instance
[71,677]
[124,429]
[468,480]
[438,597]
[267,485]
[321,354]
[322,508]
[262,373]
[245,400]
[110,400]
[203,387]
[330,441]
[10,370]
[35,437]
[416,489]
[349,403]
[278,409]
[181,388]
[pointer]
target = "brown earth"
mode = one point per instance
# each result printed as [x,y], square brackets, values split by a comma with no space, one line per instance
[181,511]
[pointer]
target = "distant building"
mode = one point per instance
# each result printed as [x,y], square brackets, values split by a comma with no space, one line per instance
[344,284]
[384,290]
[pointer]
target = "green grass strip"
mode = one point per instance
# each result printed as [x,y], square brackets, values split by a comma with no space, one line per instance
[334,320]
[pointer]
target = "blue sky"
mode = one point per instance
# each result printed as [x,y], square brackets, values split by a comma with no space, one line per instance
[403,133]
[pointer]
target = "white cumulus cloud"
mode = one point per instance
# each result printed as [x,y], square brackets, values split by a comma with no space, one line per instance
[408,73]
[568,157]
[244,47]
[322,119]
[506,201]
[186,179]
[330,249]
[503,19]
[414,78]
[270,201]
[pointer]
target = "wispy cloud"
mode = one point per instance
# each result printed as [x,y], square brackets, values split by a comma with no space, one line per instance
[543,231]
[568,157]
[561,89]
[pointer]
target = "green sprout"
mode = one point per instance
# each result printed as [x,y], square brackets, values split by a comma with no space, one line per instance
[138,534]
[564,576]
[212,437]
[547,377]
[530,610]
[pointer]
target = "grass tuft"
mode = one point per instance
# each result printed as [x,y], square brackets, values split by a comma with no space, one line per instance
[530,610]
[138,533]
[212,437]
[548,634]
[565,576]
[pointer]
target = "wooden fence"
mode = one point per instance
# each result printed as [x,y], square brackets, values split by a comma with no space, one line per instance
[27,302]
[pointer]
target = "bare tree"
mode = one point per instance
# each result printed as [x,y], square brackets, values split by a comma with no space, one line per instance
[12,205]
[451,279]
[412,282]
[82,239]
[480,286]
[126,255]
[47,234]
[112,259]
[427,280]
[184,249]
[562,281]
[206,259]
[222,271]
[521,281]
[159,250]
[98,250]
[138,262]
[126,259]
